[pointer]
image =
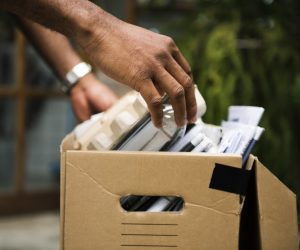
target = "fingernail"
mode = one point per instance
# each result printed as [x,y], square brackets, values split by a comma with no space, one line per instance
[193,119]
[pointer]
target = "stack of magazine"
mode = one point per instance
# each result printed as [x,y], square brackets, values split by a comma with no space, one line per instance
[127,126]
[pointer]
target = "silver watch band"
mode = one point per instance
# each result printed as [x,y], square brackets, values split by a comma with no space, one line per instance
[77,72]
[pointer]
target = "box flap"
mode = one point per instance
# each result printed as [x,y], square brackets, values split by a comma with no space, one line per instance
[62,197]
[277,212]
[95,181]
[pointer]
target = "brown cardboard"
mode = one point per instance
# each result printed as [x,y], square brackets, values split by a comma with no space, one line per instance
[92,183]
[277,207]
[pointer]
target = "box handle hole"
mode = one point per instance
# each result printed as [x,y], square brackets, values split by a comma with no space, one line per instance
[133,203]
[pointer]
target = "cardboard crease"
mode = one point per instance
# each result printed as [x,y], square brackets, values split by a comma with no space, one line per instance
[209,208]
[93,180]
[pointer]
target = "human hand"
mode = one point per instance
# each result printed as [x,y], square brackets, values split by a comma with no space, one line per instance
[147,62]
[89,95]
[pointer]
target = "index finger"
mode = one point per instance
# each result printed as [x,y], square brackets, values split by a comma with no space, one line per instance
[154,102]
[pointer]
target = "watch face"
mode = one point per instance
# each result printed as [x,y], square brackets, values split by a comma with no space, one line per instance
[77,72]
[72,77]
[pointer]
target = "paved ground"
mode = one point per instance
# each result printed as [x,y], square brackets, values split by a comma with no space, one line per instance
[30,232]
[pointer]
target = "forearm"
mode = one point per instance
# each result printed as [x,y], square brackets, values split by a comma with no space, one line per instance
[89,95]
[73,18]
[147,62]
[55,48]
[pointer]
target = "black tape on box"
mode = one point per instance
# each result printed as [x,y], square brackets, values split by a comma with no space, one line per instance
[230,179]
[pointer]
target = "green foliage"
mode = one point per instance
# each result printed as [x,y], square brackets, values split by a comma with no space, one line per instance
[264,72]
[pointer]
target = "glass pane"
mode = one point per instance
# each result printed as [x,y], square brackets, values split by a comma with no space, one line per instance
[7,50]
[7,144]
[38,74]
[47,122]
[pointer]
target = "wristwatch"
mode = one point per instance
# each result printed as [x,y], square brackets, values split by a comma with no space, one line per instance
[73,76]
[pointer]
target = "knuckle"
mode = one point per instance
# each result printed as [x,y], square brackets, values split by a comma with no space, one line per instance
[155,67]
[155,102]
[175,50]
[138,78]
[137,87]
[189,71]
[178,93]
[188,83]
[188,67]
[169,41]
[162,54]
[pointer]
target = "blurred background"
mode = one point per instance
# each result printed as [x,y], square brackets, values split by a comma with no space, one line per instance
[241,53]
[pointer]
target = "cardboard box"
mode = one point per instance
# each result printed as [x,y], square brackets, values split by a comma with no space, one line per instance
[92,183]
